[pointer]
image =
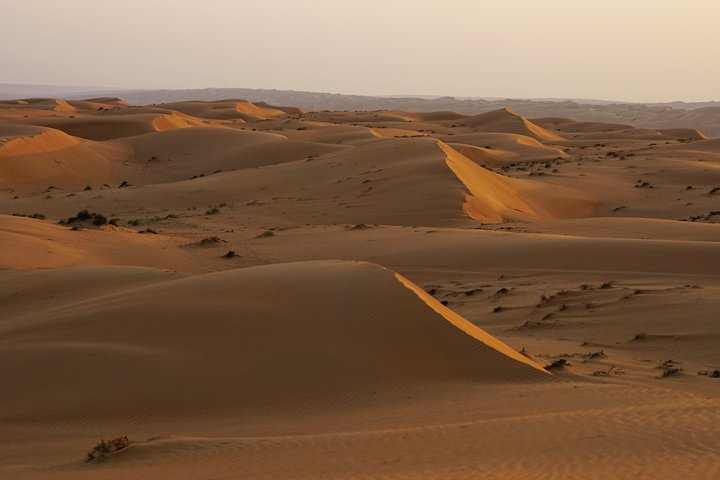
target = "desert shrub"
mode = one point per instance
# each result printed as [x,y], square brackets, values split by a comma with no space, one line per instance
[266,233]
[557,364]
[104,448]
[213,211]
[83,215]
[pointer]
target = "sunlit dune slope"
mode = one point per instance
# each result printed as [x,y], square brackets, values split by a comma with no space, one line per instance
[36,158]
[494,198]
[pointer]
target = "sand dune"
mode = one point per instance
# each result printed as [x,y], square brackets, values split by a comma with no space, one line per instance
[507,121]
[121,125]
[226,110]
[366,338]
[35,244]
[494,198]
[179,154]
[34,158]
[502,149]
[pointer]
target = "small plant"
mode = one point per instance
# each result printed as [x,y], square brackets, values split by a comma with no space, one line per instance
[213,211]
[230,254]
[113,221]
[266,233]
[640,336]
[104,448]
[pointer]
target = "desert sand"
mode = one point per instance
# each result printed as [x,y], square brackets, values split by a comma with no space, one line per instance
[258,291]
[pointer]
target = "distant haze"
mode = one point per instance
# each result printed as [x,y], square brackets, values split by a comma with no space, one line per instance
[631,50]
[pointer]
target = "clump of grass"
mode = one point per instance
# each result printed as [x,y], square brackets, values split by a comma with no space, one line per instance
[212,211]
[104,448]
[266,233]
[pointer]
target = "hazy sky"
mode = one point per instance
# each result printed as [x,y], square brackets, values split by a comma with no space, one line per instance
[638,50]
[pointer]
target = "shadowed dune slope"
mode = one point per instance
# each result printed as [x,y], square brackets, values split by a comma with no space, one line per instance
[315,334]
[180,153]
[495,198]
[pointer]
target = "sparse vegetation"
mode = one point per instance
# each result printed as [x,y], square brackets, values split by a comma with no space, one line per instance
[266,234]
[104,448]
[37,216]
[212,211]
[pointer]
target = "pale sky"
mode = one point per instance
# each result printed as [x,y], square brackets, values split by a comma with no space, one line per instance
[634,50]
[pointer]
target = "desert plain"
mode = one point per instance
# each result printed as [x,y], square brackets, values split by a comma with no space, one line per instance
[257,291]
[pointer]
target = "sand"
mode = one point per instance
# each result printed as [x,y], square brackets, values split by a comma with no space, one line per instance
[284,293]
